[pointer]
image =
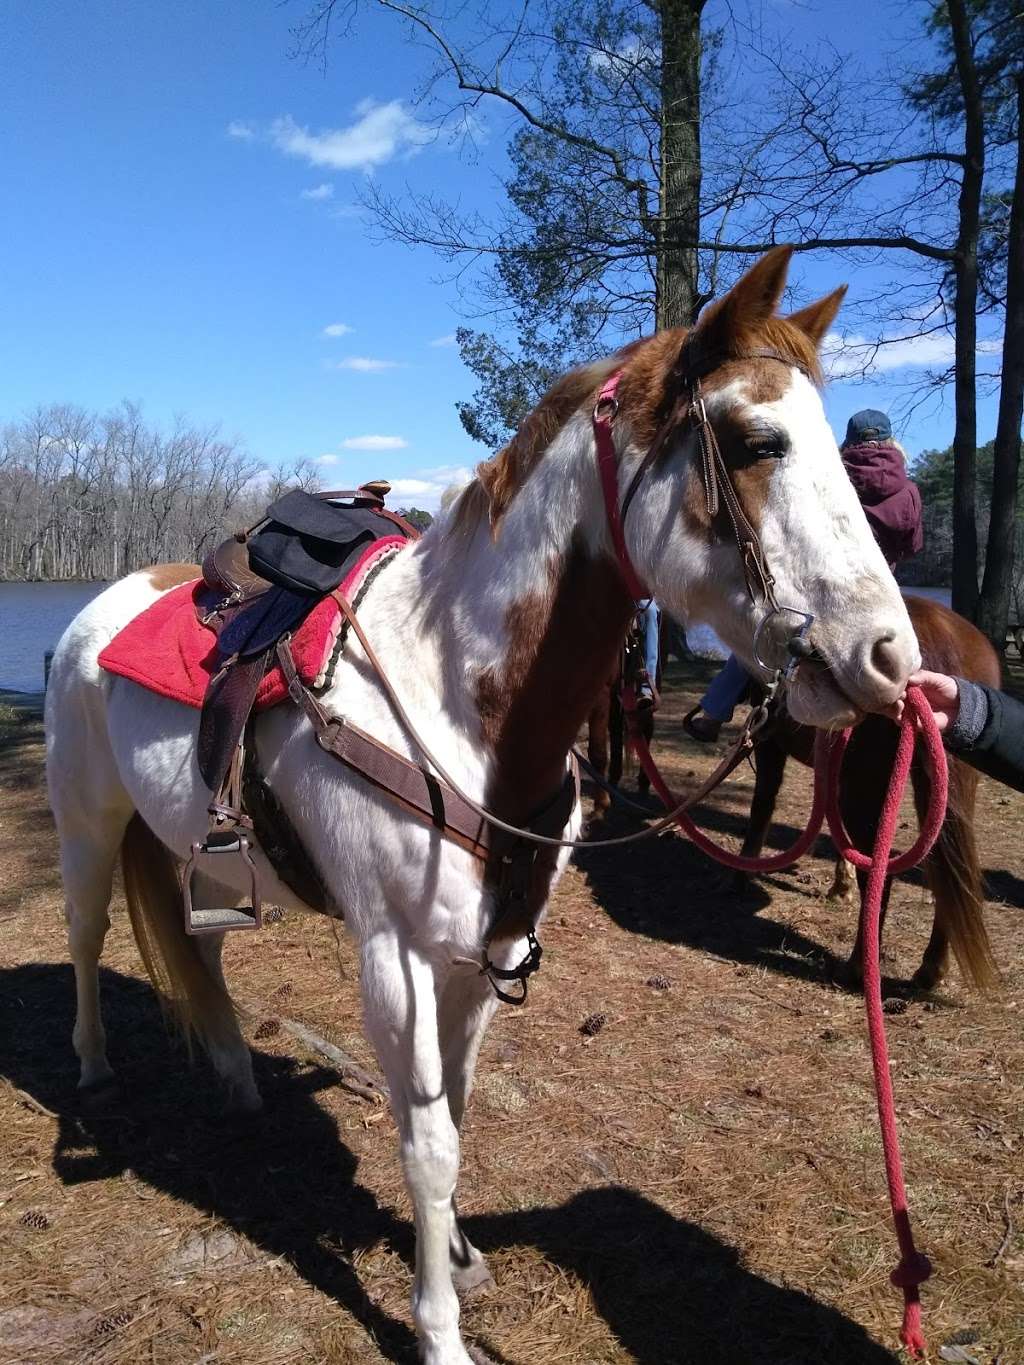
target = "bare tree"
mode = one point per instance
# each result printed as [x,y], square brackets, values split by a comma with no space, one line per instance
[997,584]
[93,497]
[648,160]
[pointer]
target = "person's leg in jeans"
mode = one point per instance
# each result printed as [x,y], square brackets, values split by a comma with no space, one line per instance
[719,701]
[652,633]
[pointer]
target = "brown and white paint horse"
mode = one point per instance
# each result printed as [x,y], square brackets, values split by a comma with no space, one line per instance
[497,629]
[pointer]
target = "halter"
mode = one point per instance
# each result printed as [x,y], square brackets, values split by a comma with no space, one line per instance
[688,407]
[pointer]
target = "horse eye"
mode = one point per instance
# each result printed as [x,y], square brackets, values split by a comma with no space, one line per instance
[766,449]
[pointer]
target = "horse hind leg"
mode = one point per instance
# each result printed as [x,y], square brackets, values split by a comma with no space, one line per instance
[228,1050]
[87,867]
[185,971]
[769,770]
[844,884]
[597,751]
[91,810]
[401,999]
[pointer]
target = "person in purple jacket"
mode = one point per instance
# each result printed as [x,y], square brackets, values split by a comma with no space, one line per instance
[877,468]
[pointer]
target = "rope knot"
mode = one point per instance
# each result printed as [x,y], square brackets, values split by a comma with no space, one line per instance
[912,1270]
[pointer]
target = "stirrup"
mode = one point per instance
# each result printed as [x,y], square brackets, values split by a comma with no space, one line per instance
[219,919]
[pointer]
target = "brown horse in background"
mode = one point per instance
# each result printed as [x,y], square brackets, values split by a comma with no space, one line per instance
[949,644]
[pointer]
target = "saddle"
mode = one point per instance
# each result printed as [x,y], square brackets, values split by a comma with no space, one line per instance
[258,587]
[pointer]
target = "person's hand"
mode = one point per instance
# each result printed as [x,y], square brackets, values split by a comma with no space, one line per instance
[940,692]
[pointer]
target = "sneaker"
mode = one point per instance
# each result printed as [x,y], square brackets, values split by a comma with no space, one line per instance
[704,729]
[645,697]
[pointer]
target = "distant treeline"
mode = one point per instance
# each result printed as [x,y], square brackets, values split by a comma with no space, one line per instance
[94,497]
[933,473]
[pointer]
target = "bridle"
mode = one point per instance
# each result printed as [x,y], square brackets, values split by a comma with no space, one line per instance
[688,409]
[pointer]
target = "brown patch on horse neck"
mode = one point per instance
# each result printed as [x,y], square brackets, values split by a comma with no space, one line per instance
[563,642]
[164,576]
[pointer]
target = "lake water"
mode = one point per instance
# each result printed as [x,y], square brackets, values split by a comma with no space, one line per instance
[33,617]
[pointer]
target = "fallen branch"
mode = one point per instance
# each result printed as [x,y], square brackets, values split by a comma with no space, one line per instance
[351,1075]
[1008,1235]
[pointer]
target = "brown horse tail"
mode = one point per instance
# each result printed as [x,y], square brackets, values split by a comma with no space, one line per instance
[949,644]
[195,1001]
[954,875]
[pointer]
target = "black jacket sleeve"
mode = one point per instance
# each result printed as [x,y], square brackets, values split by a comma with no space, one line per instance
[998,748]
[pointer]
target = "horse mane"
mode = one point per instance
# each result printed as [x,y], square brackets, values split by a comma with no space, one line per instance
[499,479]
[646,365]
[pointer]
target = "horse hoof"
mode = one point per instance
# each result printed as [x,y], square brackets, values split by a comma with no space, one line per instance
[237,1106]
[841,895]
[95,1075]
[479,1357]
[925,979]
[472,1280]
[848,976]
[100,1094]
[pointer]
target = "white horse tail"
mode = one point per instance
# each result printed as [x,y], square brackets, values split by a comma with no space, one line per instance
[193,997]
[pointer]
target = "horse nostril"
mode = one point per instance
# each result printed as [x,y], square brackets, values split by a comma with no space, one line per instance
[887,658]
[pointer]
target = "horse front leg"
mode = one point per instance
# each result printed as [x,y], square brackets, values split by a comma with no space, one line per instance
[401,989]
[467,1006]
[769,769]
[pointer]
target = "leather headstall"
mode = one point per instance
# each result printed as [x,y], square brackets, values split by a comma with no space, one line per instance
[684,406]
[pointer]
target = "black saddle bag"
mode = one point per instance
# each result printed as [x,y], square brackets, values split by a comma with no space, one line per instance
[307,544]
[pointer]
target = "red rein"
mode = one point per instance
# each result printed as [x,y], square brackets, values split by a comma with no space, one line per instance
[913,1268]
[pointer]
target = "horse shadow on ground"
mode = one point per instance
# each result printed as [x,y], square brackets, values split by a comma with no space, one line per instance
[668,1290]
[666,888]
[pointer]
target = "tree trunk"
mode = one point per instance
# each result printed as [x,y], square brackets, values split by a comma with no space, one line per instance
[965,435]
[994,604]
[679,207]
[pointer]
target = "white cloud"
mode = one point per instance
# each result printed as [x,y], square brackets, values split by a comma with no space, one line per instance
[448,340]
[374,443]
[854,354]
[244,131]
[425,486]
[326,459]
[337,329]
[630,54]
[324,191]
[365,364]
[379,133]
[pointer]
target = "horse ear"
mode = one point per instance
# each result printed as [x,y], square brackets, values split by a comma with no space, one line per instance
[815,320]
[752,299]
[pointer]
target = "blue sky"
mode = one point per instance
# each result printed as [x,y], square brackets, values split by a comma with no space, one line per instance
[179,229]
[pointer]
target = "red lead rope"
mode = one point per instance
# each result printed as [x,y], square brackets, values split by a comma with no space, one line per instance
[914,1268]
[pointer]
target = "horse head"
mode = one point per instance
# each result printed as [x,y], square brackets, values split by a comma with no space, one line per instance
[828,586]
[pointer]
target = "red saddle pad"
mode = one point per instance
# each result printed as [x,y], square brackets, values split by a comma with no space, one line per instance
[168,650]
